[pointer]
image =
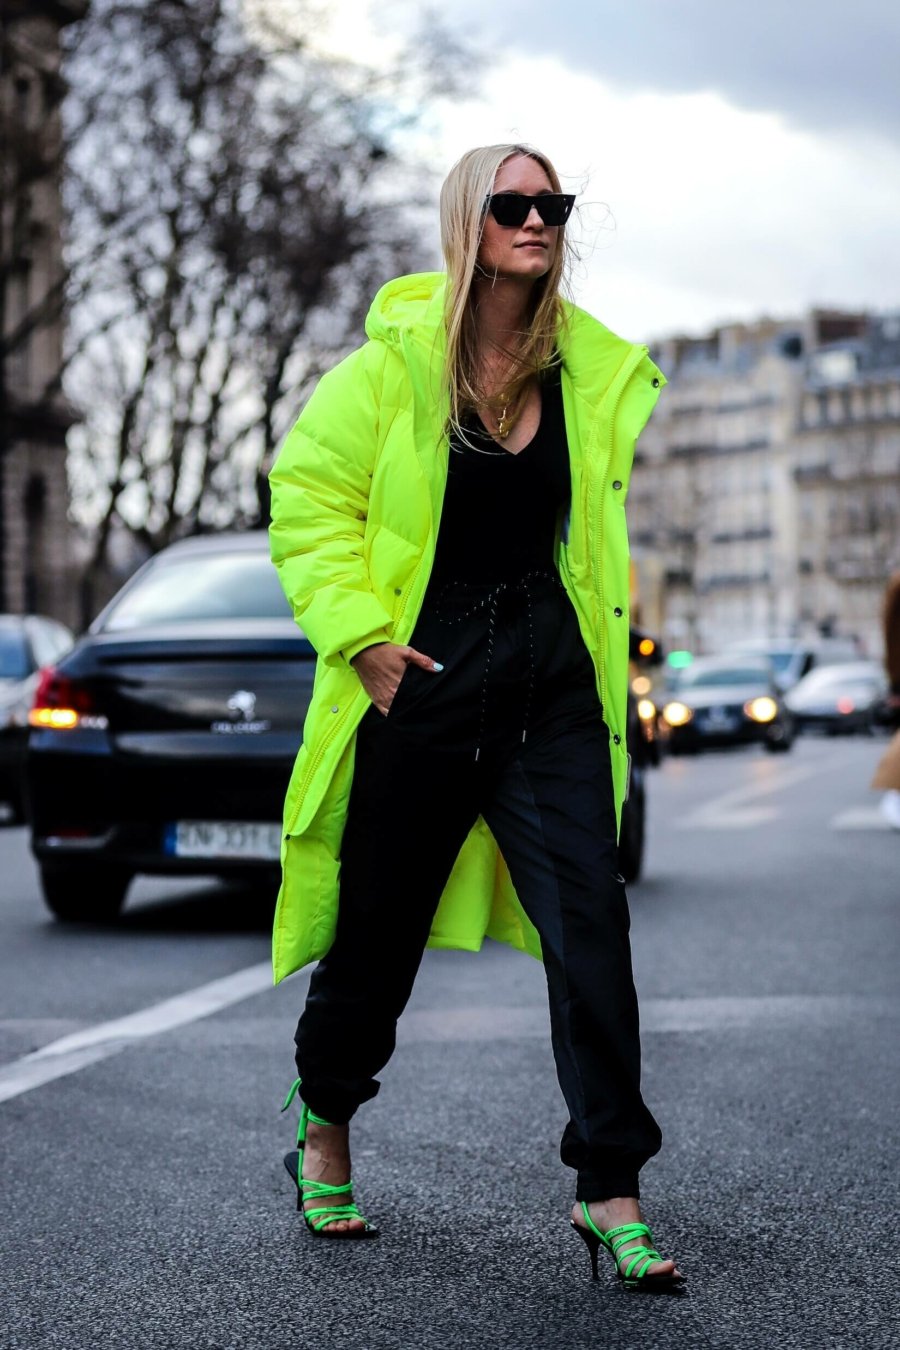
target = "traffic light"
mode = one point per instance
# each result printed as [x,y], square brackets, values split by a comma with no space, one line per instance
[643,649]
[677,660]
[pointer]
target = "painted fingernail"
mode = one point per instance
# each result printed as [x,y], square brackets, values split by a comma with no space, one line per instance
[436,665]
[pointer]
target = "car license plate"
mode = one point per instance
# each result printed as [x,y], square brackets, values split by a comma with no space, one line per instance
[719,719]
[224,839]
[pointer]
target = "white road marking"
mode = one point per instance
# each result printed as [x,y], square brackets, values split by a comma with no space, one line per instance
[81,1048]
[93,1044]
[712,818]
[735,809]
[860,818]
[490,1023]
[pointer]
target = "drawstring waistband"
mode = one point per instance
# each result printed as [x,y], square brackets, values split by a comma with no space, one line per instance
[490,596]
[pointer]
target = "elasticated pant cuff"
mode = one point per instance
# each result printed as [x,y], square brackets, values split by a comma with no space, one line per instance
[592,1186]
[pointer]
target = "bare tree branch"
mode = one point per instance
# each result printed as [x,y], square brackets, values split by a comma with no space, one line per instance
[234,200]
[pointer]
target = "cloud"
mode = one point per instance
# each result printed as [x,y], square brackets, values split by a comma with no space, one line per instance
[822,65]
[731,160]
[695,211]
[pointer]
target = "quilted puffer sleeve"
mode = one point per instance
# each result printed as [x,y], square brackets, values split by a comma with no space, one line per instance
[320,496]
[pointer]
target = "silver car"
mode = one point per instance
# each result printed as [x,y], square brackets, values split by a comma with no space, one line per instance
[840,699]
[27,643]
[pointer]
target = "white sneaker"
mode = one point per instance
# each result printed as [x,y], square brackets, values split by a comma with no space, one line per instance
[890,807]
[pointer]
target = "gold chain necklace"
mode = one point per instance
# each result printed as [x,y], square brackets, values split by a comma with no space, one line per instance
[507,419]
[505,422]
[510,405]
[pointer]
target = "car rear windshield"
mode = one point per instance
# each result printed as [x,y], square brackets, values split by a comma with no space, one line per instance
[189,589]
[713,675]
[14,663]
[781,660]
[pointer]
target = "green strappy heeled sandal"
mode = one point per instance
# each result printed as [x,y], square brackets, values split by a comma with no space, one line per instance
[635,1258]
[318,1219]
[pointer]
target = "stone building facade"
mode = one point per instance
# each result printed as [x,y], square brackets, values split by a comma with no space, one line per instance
[36,562]
[847,476]
[765,499]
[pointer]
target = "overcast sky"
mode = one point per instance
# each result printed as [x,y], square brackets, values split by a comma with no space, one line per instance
[732,159]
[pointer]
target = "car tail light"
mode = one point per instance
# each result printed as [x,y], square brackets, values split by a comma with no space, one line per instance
[60,704]
[845,705]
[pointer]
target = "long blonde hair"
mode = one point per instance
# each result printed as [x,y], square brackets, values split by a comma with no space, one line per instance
[463,195]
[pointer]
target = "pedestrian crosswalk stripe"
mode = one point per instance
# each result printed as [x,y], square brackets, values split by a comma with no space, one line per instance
[81,1048]
[746,807]
[860,818]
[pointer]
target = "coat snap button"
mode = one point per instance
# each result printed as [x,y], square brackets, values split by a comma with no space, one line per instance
[617,739]
[398,590]
[617,485]
[617,612]
[655,382]
[335,708]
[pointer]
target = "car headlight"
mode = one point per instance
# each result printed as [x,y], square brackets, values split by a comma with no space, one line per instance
[677,714]
[763,709]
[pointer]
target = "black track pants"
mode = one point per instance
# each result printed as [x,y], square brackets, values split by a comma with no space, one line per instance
[512,662]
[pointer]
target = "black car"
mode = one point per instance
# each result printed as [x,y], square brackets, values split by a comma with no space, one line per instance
[163,742]
[726,700]
[643,752]
[27,642]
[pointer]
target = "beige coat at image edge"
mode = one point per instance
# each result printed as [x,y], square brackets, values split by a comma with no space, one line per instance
[887,775]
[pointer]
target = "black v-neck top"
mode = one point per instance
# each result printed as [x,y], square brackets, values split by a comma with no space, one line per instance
[500,510]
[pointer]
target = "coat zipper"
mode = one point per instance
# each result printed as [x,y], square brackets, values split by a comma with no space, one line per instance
[624,376]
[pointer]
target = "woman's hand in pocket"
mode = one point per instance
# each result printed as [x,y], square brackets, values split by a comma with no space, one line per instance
[382,666]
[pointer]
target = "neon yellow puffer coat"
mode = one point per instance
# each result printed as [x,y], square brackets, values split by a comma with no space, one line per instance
[357,490]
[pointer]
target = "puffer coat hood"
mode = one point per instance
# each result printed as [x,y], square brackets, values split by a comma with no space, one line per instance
[411,304]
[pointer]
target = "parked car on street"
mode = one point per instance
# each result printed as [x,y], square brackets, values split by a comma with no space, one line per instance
[793,658]
[841,699]
[726,700]
[27,642]
[643,752]
[163,742]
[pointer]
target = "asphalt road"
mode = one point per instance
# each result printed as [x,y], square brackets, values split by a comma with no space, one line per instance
[144,1201]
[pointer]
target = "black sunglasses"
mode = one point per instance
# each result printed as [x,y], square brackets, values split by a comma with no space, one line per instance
[513,208]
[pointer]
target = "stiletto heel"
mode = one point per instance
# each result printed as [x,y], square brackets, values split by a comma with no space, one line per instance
[592,1243]
[318,1220]
[637,1259]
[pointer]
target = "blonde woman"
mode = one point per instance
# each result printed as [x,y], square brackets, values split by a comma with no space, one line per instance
[448,524]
